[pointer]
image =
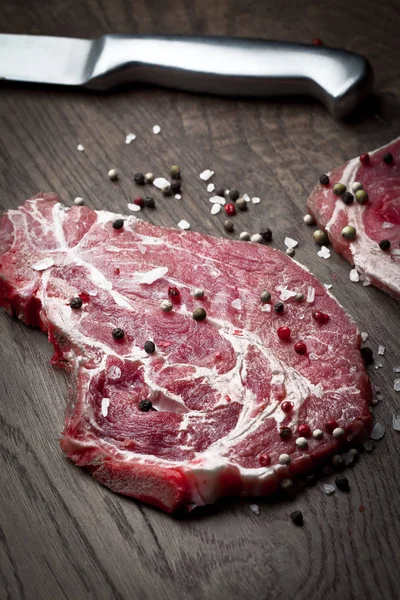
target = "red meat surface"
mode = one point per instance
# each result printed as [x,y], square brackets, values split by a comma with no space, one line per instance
[377,220]
[216,386]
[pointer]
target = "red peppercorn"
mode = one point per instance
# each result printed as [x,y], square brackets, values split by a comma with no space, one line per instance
[320,317]
[230,209]
[304,430]
[300,348]
[264,460]
[283,333]
[117,270]
[364,158]
[139,201]
[286,406]
[174,294]
[84,296]
[331,425]
[317,42]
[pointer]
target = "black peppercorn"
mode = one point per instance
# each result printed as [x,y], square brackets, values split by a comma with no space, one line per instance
[139,178]
[118,333]
[266,234]
[342,483]
[285,433]
[176,186]
[76,302]
[388,158]
[278,307]
[149,202]
[347,198]
[324,179]
[229,226]
[118,224]
[149,347]
[234,194]
[297,517]
[367,355]
[219,191]
[384,244]
[145,405]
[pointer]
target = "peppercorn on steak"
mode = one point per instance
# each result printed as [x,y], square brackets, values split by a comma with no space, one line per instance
[358,204]
[200,367]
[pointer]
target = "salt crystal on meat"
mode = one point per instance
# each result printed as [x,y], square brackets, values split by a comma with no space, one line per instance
[381,350]
[324,252]
[215,209]
[310,294]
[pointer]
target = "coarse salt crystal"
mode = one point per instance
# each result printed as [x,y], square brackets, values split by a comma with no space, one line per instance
[78,201]
[161,182]
[256,200]
[310,294]
[378,364]
[387,225]
[246,197]
[183,224]
[255,509]
[113,373]
[266,308]
[327,286]
[43,264]
[396,385]
[151,276]
[378,431]
[324,252]
[354,275]
[313,356]
[156,129]
[133,207]
[178,196]
[237,303]
[396,422]
[285,294]
[80,148]
[396,369]
[215,209]
[364,336]
[130,138]
[217,200]
[206,175]
[329,488]
[381,350]
[210,187]
[105,403]
[396,252]
[290,243]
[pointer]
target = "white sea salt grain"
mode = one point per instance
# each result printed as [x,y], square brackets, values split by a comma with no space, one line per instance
[133,207]
[105,403]
[246,197]
[310,294]
[327,286]
[364,336]
[161,182]
[387,225]
[156,129]
[183,224]
[178,196]
[290,243]
[266,308]
[329,489]
[396,369]
[43,264]
[237,303]
[130,138]
[210,187]
[378,431]
[215,209]
[256,200]
[206,175]
[78,201]
[217,200]
[381,350]
[255,509]
[324,252]
[396,385]
[80,148]
[354,275]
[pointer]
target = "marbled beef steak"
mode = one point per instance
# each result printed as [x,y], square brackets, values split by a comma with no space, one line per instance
[376,222]
[232,408]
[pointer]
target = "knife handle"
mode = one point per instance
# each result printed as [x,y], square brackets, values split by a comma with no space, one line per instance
[232,67]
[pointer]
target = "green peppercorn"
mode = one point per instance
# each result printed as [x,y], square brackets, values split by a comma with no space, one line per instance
[145,405]
[118,333]
[76,303]
[349,232]
[320,237]
[384,244]
[265,296]
[361,197]
[118,224]
[175,172]
[199,314]
[339,189]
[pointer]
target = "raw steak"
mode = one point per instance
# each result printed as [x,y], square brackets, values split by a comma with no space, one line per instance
[377,220]
[217,386]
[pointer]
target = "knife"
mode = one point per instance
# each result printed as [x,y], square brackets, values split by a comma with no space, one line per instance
[214,65]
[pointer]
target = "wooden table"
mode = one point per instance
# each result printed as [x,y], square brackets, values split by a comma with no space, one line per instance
[61,534]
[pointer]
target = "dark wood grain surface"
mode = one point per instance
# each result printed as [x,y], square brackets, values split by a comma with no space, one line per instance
[61,534]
